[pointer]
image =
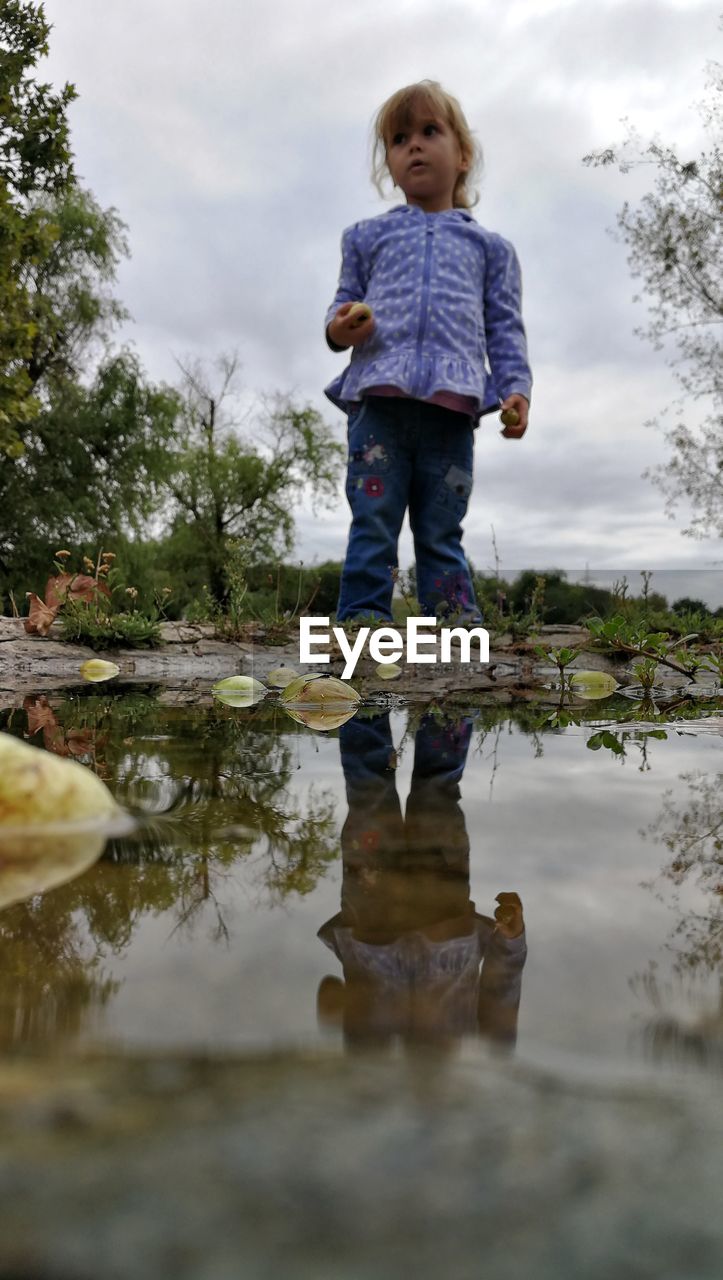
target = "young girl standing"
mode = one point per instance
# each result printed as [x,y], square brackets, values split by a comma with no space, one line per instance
[438,342]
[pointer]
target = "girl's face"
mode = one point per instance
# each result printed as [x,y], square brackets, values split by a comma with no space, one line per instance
[425,159]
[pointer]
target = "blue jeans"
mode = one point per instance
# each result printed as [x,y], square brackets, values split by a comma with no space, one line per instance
[406,453]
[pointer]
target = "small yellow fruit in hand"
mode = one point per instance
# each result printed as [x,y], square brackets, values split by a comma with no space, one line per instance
[359,313]
[510,418]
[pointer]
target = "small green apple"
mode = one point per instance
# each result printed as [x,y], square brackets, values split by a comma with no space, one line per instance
[359,313]
[510,418]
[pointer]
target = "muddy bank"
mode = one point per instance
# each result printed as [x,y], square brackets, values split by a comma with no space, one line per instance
[313,1166]
[196,653]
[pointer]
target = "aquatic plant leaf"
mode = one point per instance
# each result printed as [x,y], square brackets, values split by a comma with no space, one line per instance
[591,685]
[96,670]
[323,718]
[239,691]
[39,788]
[281,677]
[388,671]
[606,739]
[319,692]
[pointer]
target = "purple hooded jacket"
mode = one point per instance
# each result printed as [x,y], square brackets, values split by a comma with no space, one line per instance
[446,296]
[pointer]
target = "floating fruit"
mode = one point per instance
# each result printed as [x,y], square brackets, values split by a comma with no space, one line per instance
[55,817]
[319,691]
[319,701]
[323,718]
[591,685]
[239,691]
[37,787]
[281,677]
[388,671]
[96,670]
[35,861]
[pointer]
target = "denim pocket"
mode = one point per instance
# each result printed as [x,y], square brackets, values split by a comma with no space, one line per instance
[454,490]
[357,415]
[369,445]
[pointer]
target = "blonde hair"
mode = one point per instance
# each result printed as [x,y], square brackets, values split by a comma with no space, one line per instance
[396,113]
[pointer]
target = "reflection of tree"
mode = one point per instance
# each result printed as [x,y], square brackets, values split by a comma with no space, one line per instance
[212,782]
[214,786]
[225,777]
[298,857]
[692,834]
[671,1038]
[693,837]
[50,972]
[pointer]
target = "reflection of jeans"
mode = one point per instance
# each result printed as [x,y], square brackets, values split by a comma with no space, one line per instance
[405,453]
[429,845]
[407,935]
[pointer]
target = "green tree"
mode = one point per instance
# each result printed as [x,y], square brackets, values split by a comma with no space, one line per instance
[229,488]
[74,310]
[674,238]
[93,466]
[83,437]
[35,161]
[96,448]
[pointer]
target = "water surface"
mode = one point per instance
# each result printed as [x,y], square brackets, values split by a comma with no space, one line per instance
[288,888]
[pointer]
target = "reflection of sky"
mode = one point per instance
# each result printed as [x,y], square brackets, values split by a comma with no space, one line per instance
[563,830]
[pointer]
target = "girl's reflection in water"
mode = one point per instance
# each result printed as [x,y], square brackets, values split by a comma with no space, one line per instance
[408,936]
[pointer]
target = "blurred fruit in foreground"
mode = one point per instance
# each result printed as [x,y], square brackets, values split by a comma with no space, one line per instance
[55,817]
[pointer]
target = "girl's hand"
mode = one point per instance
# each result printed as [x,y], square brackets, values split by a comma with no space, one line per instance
[510,922]
[521,407]
[352,324]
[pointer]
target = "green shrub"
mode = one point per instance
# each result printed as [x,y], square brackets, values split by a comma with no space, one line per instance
[85,624]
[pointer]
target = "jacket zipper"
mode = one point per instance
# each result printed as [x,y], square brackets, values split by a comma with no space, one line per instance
[424,309]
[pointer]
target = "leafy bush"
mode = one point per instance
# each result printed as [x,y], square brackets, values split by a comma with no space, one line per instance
[82,624]
[86,605]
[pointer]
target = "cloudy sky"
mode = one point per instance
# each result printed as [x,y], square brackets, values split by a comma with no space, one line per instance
[233,140]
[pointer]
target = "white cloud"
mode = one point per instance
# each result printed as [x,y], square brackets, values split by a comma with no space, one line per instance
[233,140]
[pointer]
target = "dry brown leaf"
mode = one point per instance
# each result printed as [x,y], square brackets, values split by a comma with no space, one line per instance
[40,616]
[61,587]
[81,742]
[42,718]
[40,714]
[77,586]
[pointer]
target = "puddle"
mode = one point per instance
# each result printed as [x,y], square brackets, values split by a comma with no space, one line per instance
[286,1022]
[286,889]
